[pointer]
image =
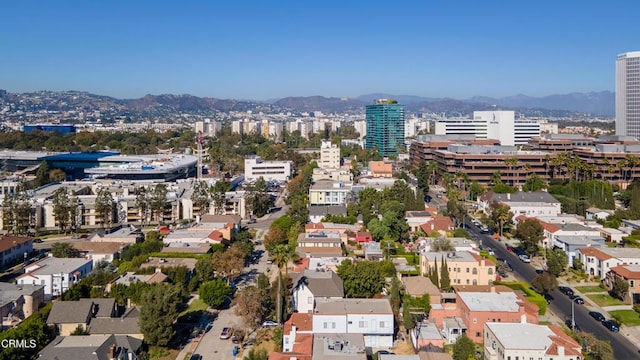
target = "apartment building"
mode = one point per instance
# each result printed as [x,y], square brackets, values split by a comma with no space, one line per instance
[465,267]
[598,262]
[525,341]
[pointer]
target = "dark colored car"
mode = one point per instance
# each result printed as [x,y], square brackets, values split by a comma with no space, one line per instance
[566,290]
[37,240]
[596,315]
[611,325]
[570,325]
[578,300]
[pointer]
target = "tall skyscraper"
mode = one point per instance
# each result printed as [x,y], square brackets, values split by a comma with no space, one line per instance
[628,94]
[385,127]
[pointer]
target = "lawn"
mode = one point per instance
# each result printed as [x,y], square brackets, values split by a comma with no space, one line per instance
[626,317]
[604,300]
[590,289]
[196,305]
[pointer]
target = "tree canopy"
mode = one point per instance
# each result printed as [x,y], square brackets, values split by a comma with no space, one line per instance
[214,292]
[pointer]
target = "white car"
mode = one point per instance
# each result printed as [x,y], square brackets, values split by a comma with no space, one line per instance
[269,324]
[525,258]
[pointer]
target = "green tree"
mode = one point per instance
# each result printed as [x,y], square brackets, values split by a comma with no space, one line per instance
[214,292]
[499,216]
[441,245]
[257,354]
[159,309]
[63,250]
[105,206]
[530,233]
[534,183]
[363,279]
[158,201]
[204,269]
[408,320]
[200,197]
[445,280]
[218,195]
[249,306]
[620,288]
[64,208]
[464,349]
[79,331]
[475,190]
[544,282]
[229,263]
[142,203]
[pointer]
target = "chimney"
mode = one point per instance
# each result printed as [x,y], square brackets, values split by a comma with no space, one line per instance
[158,270]
[112,351]
[560,351]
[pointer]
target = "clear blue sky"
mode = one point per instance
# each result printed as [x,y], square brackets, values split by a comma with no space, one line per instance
[269,49]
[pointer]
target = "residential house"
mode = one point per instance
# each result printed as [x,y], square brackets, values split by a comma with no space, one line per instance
[598,261]
[127,324]
[418,286]
[319,245]
[465,267]
[380,169]
[459,244]
[594,213]
[372,318]
[343,230]
[319,212]
[570,243]
[301,349]
[554,226]
[91,347]
[131,277]
[416,218]
[159,263]
[339,346]
[363,237]
[56,274]
[124,235]
[631,275]
[14,248]
[612,235]
[530,204]
[100,251]
[528,341]
[297,325]
[372,251]
[438,223]
[18,302]
[476,305]
[67,316]
[328,192]
[431,355]
[426,336]
[311,285]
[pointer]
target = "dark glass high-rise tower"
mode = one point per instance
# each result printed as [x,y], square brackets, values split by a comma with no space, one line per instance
[385,127]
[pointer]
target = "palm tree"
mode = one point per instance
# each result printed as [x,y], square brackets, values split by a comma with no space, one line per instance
[632,162]
[496,178]
[432,167]
[511,164]
[281,255]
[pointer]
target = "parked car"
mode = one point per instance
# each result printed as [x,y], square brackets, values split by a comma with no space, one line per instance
[37,240]
[269,324]
[571,326]
[252,221]
[566,290]
[208,327]
[596,315]
[235,339]
[611,325]
[578,300]
[226,333]
[525,258]
[539,271]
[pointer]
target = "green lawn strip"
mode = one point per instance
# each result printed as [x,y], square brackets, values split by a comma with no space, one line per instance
[530,294]
[604,300]
[590,289]
[485,254]
[626,317]
[196,305]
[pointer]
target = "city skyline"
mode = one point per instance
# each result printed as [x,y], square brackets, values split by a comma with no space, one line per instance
[262,51]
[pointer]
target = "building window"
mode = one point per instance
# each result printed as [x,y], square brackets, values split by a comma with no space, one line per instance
[475,320]
[310,300]
[631,283]
[478,334]
[362,324]
[475,271]
[381,324]
[490,271]
[467,270]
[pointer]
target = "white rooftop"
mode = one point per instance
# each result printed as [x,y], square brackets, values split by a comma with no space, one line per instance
[522,335]
[490,301]
[53,265]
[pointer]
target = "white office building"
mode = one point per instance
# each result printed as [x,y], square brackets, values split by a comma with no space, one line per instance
[628,94]
[255,168]
[499,125]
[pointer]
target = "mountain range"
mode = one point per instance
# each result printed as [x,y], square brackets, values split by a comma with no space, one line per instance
[593,103]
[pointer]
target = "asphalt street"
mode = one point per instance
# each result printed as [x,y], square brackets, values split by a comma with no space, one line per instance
[561,305]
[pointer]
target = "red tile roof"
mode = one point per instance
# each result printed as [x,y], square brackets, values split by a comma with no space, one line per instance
[438,223]
[571,347]
[7,242]
[302,321]
[591,251]
[625,272]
